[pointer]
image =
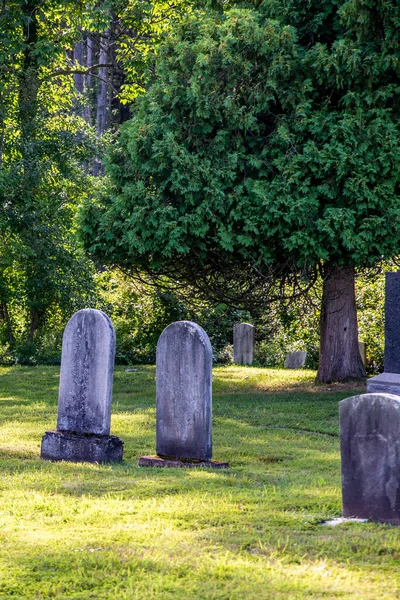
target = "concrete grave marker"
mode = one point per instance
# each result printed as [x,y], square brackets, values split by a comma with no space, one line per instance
[243,343]
[184,411]
[362,346]
[388,382]
[370,452]
[295,360]
[85,393]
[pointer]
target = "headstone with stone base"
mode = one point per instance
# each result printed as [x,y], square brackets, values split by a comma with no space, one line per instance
[370,453]
[85,393]
[183,388]
[388,382]
[243,343]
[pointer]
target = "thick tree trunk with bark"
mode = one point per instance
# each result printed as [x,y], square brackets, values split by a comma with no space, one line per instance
[339,355]
[32,326]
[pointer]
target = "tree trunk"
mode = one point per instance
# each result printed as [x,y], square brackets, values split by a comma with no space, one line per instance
[101,117]
[339,355]
[89,61]
[5,316]
[88,80]
[101,112]
[34,324]
[28,94]
[79,59]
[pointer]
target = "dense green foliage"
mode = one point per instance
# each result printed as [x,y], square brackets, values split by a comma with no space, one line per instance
[48,143]
[265,134]
[44,273]
[140,313]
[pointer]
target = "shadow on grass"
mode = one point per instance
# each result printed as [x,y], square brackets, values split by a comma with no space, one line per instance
[257,458]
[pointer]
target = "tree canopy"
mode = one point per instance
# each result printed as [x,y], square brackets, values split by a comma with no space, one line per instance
[253,144]
[269,137]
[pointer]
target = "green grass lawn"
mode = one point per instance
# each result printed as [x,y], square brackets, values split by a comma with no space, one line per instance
[252,531]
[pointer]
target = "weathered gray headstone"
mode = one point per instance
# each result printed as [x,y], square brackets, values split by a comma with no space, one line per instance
[388,382]
[85,393]
[295,360]
[370,451]
[183,388]
[363,352]
[243,343]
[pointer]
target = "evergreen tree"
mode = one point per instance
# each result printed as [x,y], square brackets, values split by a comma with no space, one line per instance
[269,139]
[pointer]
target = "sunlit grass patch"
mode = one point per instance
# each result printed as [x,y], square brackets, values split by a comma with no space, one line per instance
[252,531]
[243,378]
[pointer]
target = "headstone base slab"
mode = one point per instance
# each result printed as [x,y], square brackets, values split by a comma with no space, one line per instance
[384,383]
[370,515]
[157,461]
[341,520]
[75,447]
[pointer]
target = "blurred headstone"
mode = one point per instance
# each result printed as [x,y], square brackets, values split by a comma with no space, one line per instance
[243,343]
[295,360]
[388,382]
[363,352]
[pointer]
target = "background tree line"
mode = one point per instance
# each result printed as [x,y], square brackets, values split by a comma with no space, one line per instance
[259,165]
[63,68]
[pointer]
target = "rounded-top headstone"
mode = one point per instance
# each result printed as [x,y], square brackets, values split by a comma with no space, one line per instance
[183,381]
[243,343]
[87,368]
[370,452]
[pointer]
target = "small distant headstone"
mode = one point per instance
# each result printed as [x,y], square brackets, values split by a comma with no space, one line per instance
[183,387]
[243,343]
[370,452]
[85,393]
[388,382]
[295,360]
[363,352]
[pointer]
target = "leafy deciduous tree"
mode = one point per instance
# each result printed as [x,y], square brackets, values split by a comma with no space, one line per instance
[43,147]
